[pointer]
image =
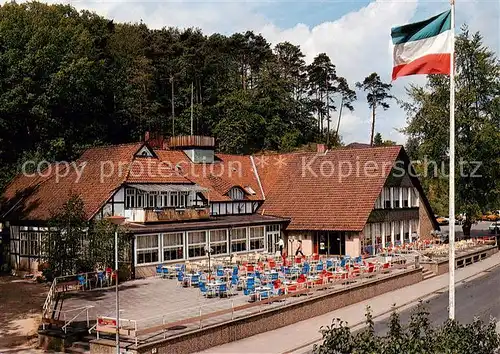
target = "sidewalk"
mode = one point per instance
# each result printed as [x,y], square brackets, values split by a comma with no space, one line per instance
[301,334]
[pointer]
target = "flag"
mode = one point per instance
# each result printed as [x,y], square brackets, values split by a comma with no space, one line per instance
[423,47]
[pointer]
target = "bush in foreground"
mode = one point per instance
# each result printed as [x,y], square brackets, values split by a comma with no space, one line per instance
[418,337]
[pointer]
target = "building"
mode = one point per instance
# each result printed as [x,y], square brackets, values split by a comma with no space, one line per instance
[180,197]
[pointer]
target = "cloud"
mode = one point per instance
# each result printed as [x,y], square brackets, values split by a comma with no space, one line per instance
[358,44]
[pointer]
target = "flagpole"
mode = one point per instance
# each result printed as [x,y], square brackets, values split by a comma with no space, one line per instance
[451,236]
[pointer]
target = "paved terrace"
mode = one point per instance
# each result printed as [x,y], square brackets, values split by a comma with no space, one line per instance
[157,301]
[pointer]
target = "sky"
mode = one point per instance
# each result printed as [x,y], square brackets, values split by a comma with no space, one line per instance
[355,34]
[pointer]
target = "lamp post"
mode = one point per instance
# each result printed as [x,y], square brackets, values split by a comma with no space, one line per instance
[117,221]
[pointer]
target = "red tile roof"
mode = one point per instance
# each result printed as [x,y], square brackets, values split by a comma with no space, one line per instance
[317,191]
[106,168]
[94,177]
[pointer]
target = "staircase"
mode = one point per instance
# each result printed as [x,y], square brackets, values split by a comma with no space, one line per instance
[428,274]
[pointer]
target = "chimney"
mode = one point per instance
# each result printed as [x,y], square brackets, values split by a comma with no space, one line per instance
[155,140]
[200,149]
[320,148]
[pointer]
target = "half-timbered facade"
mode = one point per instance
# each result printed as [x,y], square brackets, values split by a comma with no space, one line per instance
[180,198]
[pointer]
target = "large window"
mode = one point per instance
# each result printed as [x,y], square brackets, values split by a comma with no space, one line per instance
[256,238]
[395,196]
[197,240]
[147,249]
[218,241]
[173,246]
[414,197]
[239,240]
[406,230]
[405,198]
[387,198]
[135,198]
[414,227]
[23,249]
[397,232]
[387,233]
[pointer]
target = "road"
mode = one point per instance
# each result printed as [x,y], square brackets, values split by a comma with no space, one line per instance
[475,298]
[478,230]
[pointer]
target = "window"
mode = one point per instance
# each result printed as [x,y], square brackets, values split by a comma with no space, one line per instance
[378,203]
[406,230]
[218,241]
[239,240]
[367,240]
[140,199]
[236,193]
[414,227]
[387,198]
[152,199]
[164,199]
[395,197]
[34,244]
[271,228]
[405,198]
[388,234]
[414,198]
[129,198]
[183,199]
[173,246]
[23,249]
[174,199]
[197,240]
[147,249]
[397,232]
[256,238]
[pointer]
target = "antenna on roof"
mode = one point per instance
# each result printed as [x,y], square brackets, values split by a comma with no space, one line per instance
[192,108]
[173,112]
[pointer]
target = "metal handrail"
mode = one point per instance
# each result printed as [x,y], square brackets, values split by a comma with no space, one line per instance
[67,323]
[49,299]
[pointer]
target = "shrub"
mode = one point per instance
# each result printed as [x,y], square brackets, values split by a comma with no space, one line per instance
[418,337]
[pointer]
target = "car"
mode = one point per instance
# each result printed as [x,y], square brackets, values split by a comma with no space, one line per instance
[494,227]
[442,220]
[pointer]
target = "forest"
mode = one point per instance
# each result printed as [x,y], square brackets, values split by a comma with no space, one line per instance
[73,79]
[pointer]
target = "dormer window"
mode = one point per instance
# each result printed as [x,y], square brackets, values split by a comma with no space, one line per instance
[145,151]
[236,193]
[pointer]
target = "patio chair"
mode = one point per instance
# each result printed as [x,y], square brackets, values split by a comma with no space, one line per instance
[165,273]
[220,272]
[203,288]
[159,271]
[223,290]
[195,280]
[180,278]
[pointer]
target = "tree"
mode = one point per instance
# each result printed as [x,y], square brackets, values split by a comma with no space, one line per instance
[63,245]
[322,78]
[347,97]
[415,338]
[377,96]
[477,114]
[99,252]
[377,141]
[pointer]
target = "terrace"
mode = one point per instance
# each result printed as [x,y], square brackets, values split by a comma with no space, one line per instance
[183,298]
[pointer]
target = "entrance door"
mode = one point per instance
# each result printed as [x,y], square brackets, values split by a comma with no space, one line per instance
[272,236]
[271,239]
